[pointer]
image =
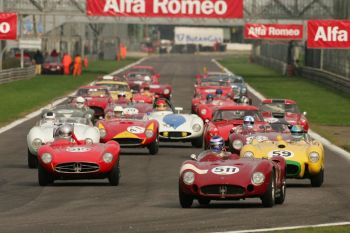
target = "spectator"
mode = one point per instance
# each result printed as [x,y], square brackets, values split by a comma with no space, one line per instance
[54,53]
[77,65]
[66,61]
[39,60]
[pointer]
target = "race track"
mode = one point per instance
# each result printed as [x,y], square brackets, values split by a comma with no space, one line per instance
[147,198]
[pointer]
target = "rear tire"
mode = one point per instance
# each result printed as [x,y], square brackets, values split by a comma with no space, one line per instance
[153,148]
[282,194]
[114,175]
[44,177]
[268,198]
[32,160]
[317,180]
[185,200]
[198,142]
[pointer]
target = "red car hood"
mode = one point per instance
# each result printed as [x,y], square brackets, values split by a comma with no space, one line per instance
[212,89]
[97,101]
[224,127]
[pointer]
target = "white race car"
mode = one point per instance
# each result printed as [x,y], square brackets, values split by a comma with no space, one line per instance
[44,130]
[179,127]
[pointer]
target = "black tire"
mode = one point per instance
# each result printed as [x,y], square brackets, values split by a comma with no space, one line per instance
[32,160]
[44,177]
[114,175]
[317,180]
[203,201]
[268,198]
[153,148]
[198,142]
[185,200]
[282,194]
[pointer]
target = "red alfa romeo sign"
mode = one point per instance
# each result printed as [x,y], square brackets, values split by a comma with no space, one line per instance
[8,26]
[273,31]
[328,33]
[167,8]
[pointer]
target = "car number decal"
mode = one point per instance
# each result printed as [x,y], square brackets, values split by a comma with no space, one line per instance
[130,111]
[209,91]
[283,153]
[78,149]
[135,129]
[225,170]
[259,138]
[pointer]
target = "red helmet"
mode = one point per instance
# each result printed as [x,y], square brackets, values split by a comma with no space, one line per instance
[161,105]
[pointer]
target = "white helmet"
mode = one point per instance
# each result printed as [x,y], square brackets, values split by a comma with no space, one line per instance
[50,116]
[80,101]
[107,77]
[248,122]
[147,78]
[118,109]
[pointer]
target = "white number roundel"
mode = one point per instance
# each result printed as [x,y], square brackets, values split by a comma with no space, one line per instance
[5,27]
[283,153]
[225,170]
[135,129]
[78,149]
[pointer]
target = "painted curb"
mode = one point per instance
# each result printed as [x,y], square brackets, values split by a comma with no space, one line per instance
[313,134]
[57,102]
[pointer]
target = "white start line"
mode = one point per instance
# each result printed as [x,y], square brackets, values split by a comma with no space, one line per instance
[313,134]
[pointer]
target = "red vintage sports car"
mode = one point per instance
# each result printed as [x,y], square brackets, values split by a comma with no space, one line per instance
[209,86]
[132,129]
[284,108]
[150,70]
[70,160]
[225,176]
[205,110]
[227,117]
[97,98]
[140,106]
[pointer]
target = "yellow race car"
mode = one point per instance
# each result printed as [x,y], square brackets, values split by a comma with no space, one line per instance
[116,88]
[304,157]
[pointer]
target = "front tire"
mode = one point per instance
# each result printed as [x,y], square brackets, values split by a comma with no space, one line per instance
[32,160]
[153,148]
[197,142]
[317,180]
[114,175]
[186,200]
[268,198]
[282,194]
[44,177]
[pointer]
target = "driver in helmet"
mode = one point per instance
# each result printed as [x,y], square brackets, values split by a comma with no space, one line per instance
[147,79]
[65,132]
[298,133]
[217,145]
[161,105]
[80,102]
[146,91]
[50,117]
[118,111]
[218,93]
[210,98]
[248,122]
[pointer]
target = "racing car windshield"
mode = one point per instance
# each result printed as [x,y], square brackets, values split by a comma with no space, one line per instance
[73,120]
[280,108]
[145,71]
[230,115]
[209,82]
[138,76]
[93,92]
[114,87]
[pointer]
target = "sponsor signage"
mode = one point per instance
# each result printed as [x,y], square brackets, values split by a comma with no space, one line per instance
[195,35]
[328,33]
[8,26]
[167,8]
[273,31]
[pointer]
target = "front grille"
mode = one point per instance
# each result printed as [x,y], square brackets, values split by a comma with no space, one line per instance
[223,190]
[128,141]
[77,167]
[98,111]
[175,134]
[292,170]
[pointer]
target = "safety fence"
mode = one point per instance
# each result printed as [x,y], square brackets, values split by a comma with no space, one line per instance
[10,75]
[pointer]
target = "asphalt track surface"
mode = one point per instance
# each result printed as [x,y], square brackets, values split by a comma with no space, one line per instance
[147,198]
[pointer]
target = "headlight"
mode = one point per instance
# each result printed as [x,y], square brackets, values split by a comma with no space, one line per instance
[166,91]
[103,132]
[314,157]
[244,90]
[188,178]
[203,111]
[107,157]
[46,158]
[149,133]
[196,127]
[237,144]
[248,154]
[258,178]
[88,116]
[89,141]
[36,143]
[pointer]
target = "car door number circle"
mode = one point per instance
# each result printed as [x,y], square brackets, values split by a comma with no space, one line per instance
[283,153]
[225,170]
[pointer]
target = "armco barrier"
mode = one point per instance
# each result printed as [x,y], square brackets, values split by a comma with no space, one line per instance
[10,75]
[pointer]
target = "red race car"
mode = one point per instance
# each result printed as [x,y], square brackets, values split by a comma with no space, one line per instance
[140,107]
[210,86]
[130,129]
[227,117]
[225,176]
[52,65]
[68,158]
[205,110]
[284,108]
[154,75]
[97,98]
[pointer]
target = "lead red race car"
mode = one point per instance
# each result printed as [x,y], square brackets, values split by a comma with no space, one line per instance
[210,85]
[149,70]
[67,158]
[226,118]
[284,108]
[225,176]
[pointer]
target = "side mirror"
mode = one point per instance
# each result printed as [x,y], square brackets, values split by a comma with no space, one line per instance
[178,109]
[193,157]
[304,113]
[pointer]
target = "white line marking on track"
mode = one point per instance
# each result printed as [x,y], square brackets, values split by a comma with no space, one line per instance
[313,134]
[289,228]
[57,102]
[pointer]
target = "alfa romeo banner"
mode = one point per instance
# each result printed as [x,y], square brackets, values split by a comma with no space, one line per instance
[8,26]
[273,31]
[328,33]
[167,8]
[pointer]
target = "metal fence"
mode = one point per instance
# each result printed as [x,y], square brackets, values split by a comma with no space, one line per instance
[10,75]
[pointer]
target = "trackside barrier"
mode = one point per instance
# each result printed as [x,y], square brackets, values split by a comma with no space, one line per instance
[13,74]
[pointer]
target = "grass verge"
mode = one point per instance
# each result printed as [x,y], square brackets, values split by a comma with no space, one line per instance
[21,97]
